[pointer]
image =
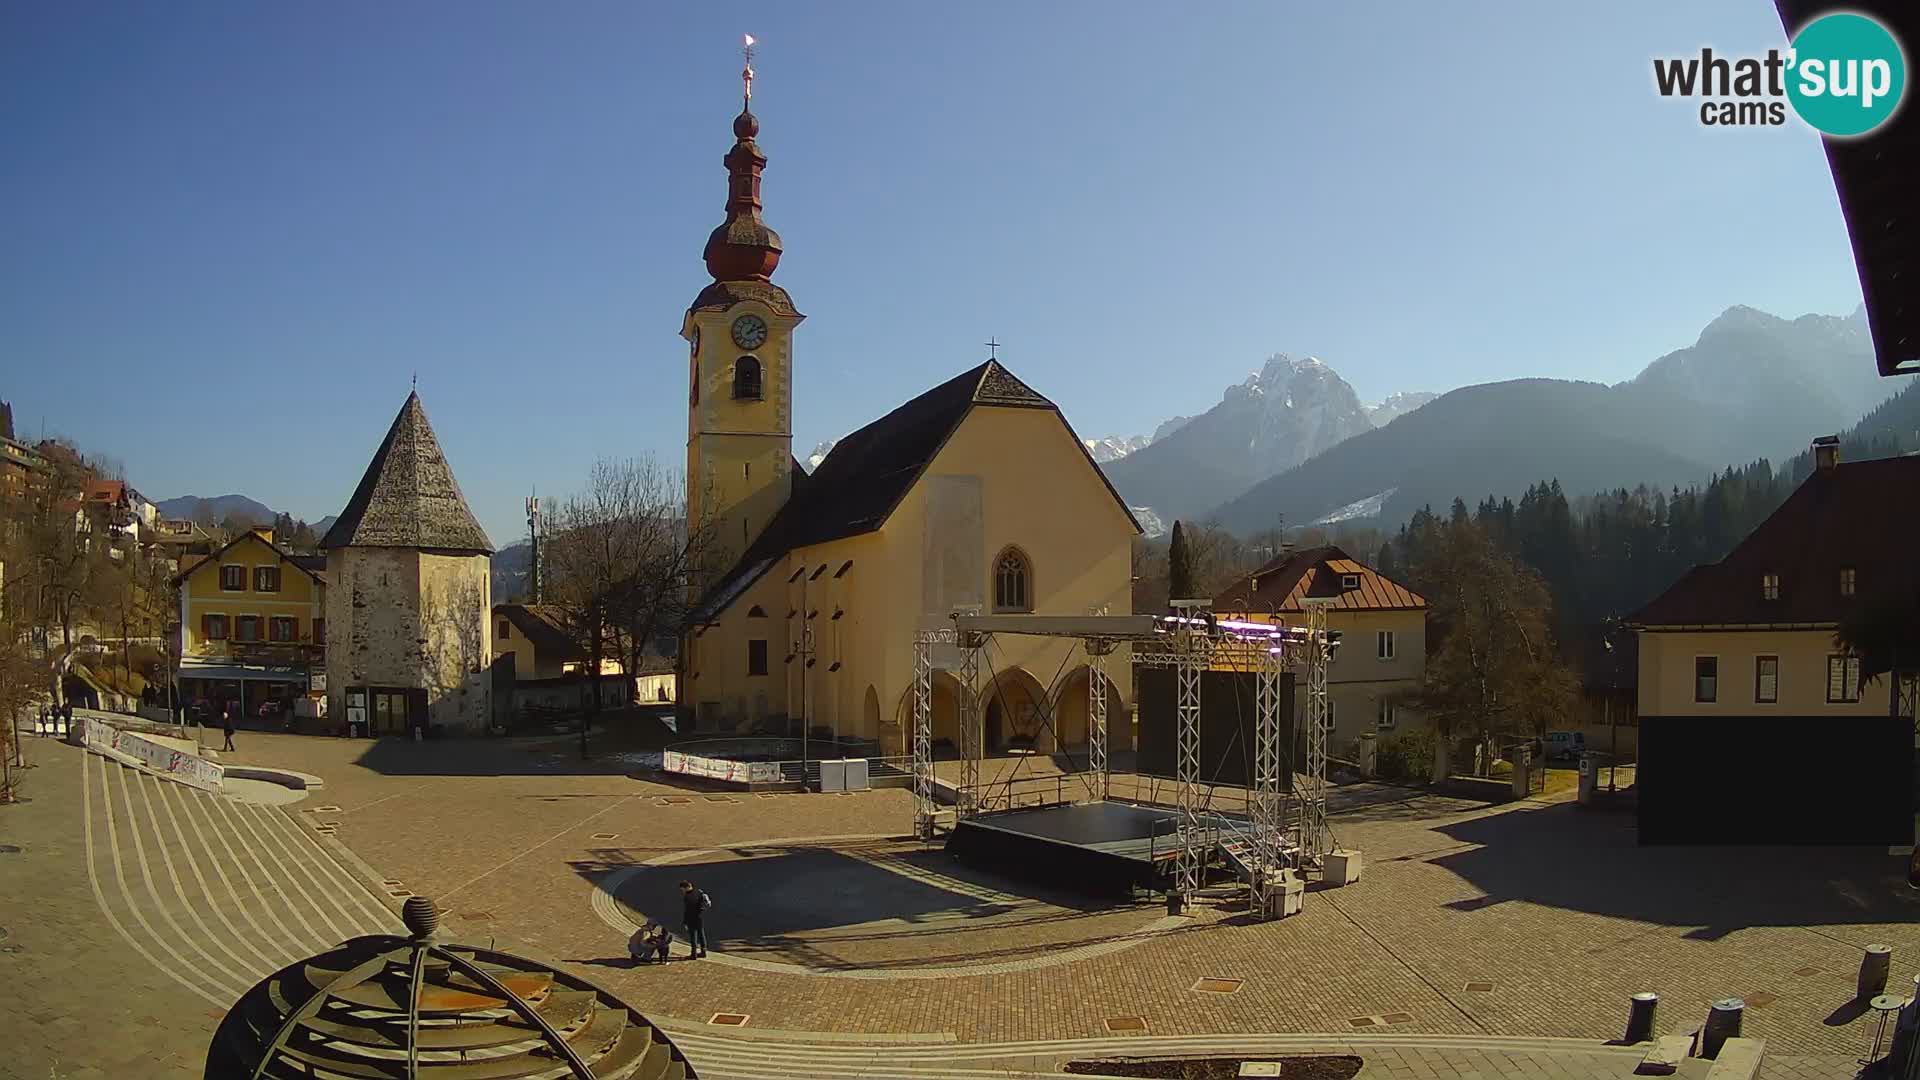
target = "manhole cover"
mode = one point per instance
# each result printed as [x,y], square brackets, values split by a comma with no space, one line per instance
[1760,999]
[1479,986]
[728,1019]
[1218,986]
[1126,1023]
[1397,1018]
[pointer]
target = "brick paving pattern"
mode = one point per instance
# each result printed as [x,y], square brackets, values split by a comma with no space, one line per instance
[1555,907]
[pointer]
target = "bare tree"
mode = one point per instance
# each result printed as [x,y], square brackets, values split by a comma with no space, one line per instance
[621,560]
[65,574]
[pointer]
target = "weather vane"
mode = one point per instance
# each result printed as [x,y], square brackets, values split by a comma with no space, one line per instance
[746,73]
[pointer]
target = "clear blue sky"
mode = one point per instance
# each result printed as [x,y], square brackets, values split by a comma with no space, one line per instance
[229,233]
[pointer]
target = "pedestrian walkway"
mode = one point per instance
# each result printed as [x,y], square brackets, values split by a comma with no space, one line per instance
[217,892]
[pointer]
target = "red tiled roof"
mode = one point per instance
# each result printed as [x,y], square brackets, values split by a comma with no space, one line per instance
[1316,572]
[1861,515]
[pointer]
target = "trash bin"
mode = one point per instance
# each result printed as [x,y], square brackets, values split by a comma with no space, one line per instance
[1176,903]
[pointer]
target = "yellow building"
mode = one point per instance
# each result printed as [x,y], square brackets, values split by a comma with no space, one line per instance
[1753,634]
[1382,626]
[975,495]
[252,624]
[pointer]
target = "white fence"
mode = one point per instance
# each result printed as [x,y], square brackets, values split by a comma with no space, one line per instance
[125,746]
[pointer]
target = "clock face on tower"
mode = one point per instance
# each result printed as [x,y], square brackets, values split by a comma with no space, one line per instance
[749,332]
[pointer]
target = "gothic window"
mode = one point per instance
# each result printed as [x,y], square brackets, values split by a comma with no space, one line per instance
[1012,582]
[746,379]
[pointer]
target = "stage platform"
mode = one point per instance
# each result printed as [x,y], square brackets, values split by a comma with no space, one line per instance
[1105,848]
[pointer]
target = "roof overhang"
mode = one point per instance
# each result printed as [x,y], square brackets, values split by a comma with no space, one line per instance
[1873,175]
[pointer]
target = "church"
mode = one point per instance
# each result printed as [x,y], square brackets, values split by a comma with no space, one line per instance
[976,495]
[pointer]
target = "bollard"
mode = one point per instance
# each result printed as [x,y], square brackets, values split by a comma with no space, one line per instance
[1723,1023]
[1640,1017]
[1175,902]
[1873,971]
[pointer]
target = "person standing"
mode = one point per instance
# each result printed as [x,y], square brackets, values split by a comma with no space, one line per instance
[694,905]
[227,721]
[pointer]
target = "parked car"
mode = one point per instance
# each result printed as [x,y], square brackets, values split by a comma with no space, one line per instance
[1563,745]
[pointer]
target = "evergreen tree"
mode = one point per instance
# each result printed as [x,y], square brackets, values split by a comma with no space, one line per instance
[1179,565]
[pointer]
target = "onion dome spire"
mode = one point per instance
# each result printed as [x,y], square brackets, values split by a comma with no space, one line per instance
[743,248]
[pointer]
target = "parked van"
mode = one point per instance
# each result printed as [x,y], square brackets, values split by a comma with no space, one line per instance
[1564,745]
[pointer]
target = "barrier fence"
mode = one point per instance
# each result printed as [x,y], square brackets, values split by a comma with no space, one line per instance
[103,738]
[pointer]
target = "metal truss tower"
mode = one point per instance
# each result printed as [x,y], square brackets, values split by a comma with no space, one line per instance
[1192,656]
[1098,649]
[1315,838]
[1269,802]
[924,806]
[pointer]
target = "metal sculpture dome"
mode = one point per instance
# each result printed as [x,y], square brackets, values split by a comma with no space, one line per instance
[416,1008]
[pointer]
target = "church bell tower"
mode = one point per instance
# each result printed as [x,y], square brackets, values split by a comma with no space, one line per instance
[739,333]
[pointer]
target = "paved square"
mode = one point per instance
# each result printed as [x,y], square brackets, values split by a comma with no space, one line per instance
[1502,932]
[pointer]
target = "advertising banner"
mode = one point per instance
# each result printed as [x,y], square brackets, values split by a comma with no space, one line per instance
[106,739]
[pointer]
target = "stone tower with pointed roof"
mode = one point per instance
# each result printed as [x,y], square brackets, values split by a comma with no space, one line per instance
[408,593]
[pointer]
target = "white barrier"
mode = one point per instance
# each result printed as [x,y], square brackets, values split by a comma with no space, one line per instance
[103,738]
[739,772]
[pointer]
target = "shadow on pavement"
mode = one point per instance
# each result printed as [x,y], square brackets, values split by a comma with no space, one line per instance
[1560,857]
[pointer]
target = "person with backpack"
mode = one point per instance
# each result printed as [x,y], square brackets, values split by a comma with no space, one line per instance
[694,907]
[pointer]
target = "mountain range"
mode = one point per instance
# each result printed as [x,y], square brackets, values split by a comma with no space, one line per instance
[1753,385]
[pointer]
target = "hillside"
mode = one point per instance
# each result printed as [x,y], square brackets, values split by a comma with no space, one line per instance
[216,509]
[1496,438]
[1281,415]
[1752,385]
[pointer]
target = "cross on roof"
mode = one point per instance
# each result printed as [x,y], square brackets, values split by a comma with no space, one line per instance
[993,348]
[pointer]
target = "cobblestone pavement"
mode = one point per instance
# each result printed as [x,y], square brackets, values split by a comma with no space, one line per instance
[1556,908]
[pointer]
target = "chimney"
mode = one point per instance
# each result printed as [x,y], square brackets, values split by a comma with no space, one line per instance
[1826,452]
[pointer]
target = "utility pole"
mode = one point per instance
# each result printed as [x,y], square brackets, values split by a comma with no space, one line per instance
[533,548]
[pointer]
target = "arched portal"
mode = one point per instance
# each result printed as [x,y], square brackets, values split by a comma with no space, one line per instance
[1014,714]
[870,714]
[1071,717]
[946,716]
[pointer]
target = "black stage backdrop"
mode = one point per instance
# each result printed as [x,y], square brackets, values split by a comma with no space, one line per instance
[1775,780]
[1226,726]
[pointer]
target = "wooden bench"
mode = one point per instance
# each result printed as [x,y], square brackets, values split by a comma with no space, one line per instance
[1739,1059]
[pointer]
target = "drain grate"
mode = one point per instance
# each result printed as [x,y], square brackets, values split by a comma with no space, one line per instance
[720,798]
[1806,971]
[399,894]
[1479,986]
[392,883]
[604,835]
[326,809]
[766,795]
[1760,999]
[729,1019]
[1363,1021]
[1218,986]
[1397,1018]
[673,800]
[1126,1023]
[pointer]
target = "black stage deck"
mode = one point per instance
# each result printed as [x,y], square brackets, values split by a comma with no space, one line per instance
[1099,847]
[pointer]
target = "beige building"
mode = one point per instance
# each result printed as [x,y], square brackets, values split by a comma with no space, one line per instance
[975,495]
[1383,635]
[1753,634]
[408,593]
